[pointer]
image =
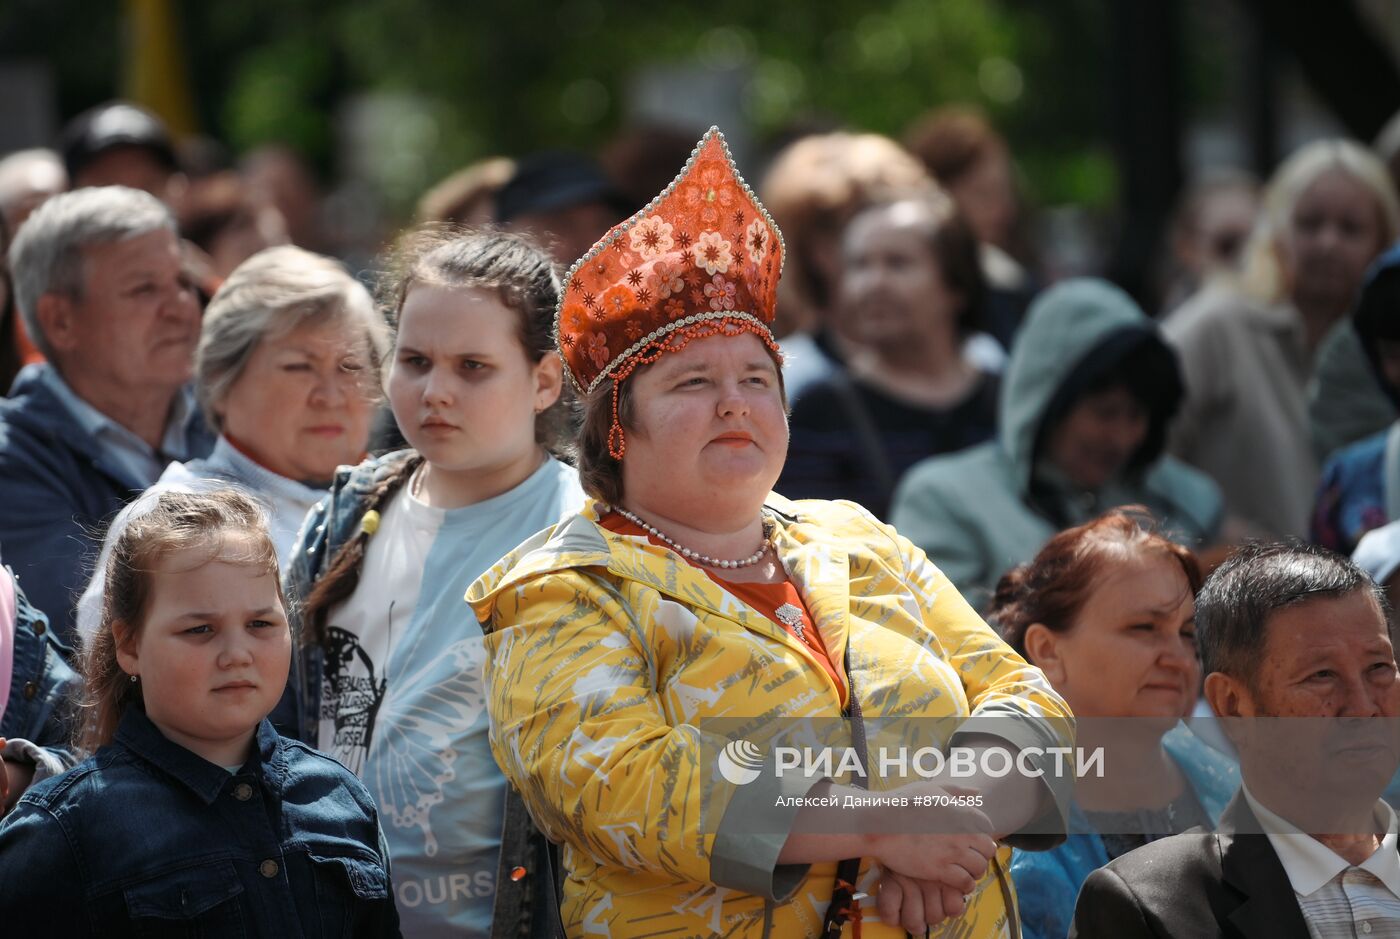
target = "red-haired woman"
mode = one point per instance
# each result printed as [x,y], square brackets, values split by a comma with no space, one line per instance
[1107,611]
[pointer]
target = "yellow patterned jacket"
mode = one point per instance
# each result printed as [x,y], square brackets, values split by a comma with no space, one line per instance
[608,654]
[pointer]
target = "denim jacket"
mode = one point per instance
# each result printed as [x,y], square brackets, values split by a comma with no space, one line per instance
[42,689]
[147,838]
[522,905]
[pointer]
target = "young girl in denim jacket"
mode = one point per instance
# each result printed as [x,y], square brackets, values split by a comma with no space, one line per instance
[392,681]
[192,816]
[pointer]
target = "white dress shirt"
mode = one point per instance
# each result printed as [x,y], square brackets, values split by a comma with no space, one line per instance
[1338,898]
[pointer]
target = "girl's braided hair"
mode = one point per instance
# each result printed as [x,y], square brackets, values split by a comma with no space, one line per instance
[342,575]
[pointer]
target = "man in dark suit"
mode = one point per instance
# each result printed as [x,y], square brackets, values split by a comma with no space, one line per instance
[1287,631]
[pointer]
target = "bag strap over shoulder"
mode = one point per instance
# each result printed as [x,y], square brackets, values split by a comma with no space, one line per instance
[553,870]
[843,902]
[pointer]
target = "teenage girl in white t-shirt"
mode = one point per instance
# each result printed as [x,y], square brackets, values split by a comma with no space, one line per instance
[392,680]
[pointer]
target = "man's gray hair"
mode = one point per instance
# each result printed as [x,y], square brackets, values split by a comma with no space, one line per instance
[47,254]
[1238,598]
[268,296]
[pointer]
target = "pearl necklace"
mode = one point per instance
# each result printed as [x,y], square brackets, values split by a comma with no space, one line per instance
[690,555]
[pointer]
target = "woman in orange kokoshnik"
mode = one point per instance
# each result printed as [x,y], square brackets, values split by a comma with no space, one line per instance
[686,591]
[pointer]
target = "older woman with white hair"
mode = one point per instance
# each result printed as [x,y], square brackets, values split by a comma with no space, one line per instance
[1248,349]
[287,372]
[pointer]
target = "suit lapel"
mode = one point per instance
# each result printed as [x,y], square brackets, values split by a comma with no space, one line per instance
[1249,864]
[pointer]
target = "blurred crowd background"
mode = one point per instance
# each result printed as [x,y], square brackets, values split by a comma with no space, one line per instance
[344,115]
[1164,147]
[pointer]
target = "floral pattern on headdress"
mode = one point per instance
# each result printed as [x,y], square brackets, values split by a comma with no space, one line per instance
[703,251]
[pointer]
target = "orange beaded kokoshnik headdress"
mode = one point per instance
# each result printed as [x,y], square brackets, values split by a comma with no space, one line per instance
[702,259]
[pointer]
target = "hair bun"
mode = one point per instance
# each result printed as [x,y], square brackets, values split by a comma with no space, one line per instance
[1012,587]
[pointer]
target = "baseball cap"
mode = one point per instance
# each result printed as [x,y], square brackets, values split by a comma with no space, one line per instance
[111,125]
[553,180]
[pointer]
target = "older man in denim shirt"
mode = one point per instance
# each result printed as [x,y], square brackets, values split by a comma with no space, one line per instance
[99,282]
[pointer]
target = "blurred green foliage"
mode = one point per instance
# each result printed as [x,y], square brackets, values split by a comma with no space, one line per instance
[507,77]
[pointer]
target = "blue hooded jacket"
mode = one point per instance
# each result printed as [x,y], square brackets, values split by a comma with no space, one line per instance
[978,513]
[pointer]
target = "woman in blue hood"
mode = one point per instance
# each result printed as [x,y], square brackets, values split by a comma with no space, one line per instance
[1083,415]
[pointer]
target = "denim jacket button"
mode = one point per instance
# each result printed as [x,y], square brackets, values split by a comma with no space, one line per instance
[30,690]
[39,628]
[243,792]
[268,868]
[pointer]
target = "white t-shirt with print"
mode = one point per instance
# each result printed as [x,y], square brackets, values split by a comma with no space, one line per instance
[403,700]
